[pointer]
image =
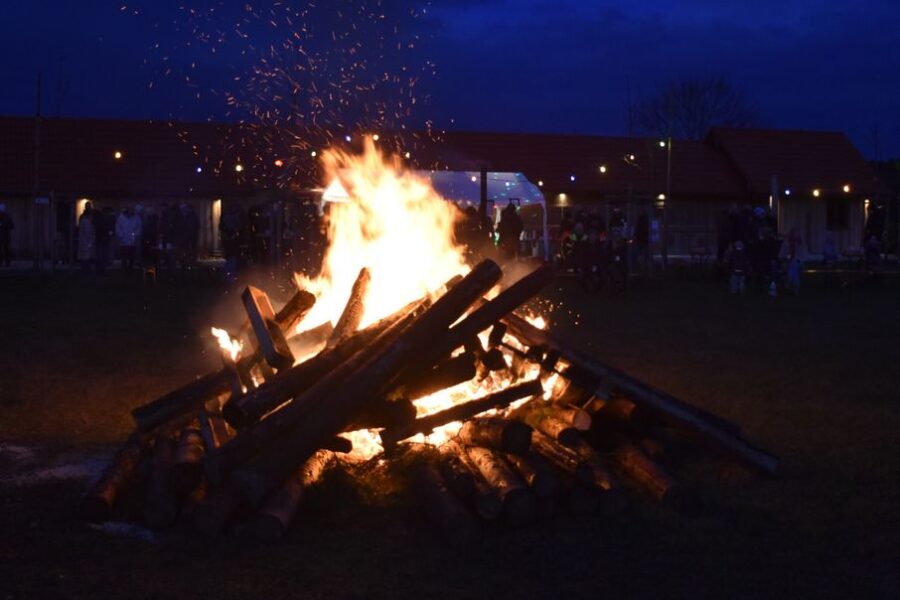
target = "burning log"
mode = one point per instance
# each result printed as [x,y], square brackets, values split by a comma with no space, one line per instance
[348,395]
[278,512]
[519,506]
[160,505]
[182,401]
[657,402]
[294,310]
[447,374]
[493,360]
[353,312]
[97,506]
[269,337]
[483,498]
[495,338]
[248,409]
[494,432]
[186,470]
[461,412]
[540,476]
[455,523]
[304,343]
[385,413]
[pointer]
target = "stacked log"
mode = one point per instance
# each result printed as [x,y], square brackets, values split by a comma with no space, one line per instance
[243,445]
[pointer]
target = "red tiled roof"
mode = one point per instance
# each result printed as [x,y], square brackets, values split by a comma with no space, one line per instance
[801,160]
[77,156]
[697,169]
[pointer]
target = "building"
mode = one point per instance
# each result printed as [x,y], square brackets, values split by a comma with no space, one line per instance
[816,181]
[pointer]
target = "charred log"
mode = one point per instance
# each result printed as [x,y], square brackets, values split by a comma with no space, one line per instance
[353,312]
[182,401]
[270,339]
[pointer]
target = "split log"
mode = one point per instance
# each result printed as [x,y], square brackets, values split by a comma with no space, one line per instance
[659,403]
[583,465]
[353,311]
[483,499]
[294,310]
[519,506]
[550,426]
[270,339]
[537,472]
[497,433]
[449,373]
[278,512]
[98,505]
[461,412]
[336,400]
[160,503]
[187,471]
[182,401]
[445,511]
[213,429]
[248,409]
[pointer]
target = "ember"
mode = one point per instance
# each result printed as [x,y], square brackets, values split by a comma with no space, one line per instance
[431,361]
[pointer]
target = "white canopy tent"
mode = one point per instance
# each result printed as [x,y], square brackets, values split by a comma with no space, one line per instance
[463,188]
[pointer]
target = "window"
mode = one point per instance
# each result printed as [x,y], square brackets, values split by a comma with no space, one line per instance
[837,216]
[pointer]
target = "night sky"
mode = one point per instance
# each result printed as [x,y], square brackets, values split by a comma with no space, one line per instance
[525,65]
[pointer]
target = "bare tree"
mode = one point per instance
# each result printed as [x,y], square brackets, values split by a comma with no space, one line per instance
[688,108]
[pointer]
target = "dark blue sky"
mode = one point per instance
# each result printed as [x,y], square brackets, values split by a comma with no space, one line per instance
[523,65]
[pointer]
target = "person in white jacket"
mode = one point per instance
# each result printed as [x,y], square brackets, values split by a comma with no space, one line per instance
[128,234]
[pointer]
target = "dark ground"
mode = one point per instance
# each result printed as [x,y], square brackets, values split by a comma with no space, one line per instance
[812,379]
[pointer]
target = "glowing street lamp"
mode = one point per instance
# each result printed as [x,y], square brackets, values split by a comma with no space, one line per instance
[239,167]
[847,188]
[118,155]
[817,192]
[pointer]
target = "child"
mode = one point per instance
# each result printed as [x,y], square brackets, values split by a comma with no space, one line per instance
[738,263]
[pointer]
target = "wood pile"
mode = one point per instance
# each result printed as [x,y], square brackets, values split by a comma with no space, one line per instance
[239,448]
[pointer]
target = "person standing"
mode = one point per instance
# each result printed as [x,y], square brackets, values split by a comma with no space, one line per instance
[86,238]
[128,234]
[6,227]
[104,229]
[793,253]
[509,230]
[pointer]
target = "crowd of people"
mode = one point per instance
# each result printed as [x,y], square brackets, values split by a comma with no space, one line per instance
[137,235]
[601,253]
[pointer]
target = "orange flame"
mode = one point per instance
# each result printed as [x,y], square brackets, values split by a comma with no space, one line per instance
[231,346]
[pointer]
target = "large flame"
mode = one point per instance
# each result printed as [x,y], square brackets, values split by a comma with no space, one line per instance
[230,346]
[392,222]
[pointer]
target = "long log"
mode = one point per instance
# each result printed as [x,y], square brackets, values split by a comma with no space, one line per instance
[462,412]
[664,405]
[537,472]
[187,470]
[483,498]
[385,413]
[181,401]
[456,524]
[160,504]
[353,311]
[494,432]
[248,409]
[488,313]
[448,373]
[519,506]
[347,396]
[98,505]
[278,512]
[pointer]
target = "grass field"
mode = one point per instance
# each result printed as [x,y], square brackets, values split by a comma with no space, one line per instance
[813,379]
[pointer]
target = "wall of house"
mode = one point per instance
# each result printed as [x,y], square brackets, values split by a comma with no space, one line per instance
[811,217]
[692,225]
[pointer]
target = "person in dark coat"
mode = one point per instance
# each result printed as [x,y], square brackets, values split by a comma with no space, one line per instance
[509,230]
[104,230]
[6,227]
[149,237]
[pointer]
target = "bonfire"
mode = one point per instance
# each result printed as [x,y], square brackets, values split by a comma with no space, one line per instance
[399,348]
